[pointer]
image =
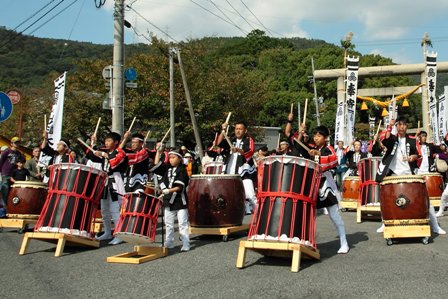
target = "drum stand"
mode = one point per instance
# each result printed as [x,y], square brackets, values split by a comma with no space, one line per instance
[220,231]
[20,221]
[374,210]
[278,249]
[142,254]
[59,238]
[348,203]
[407,228]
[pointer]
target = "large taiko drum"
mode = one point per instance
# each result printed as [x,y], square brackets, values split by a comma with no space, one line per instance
[74,191]
[350,188]
[404,197]
[216,200]
[287,192]
[213,167]
[138,219]
[27,197]
[434,185]
[370,189]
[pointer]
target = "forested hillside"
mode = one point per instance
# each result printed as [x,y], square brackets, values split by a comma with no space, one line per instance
[256,77]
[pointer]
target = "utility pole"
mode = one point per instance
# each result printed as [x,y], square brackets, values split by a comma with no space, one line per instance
[190,108]
[117,69]
[315,94]
[172,136]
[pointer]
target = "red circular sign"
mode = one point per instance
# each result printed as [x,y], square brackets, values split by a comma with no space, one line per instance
[14,96]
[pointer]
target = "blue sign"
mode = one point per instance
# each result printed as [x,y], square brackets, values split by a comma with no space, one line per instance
[130,74]
[5,107]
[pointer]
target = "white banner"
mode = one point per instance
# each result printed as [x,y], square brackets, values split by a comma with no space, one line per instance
[431,76]
[443,114]
[340,121]
[54,127]
[351,91]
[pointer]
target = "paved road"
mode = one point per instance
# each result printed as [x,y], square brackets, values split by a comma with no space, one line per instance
[371,269]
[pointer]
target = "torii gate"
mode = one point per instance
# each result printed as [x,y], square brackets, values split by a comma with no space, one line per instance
[386,70]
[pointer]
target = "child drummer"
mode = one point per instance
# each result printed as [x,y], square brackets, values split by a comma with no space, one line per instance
[327,196]
[174,195]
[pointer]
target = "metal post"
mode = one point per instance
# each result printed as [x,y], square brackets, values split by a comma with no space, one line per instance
[117,72]
[190,108]
[315,94]
[172,136]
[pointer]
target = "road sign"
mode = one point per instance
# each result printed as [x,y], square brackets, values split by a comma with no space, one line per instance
[107,72]
[15,96]
[5,107]
[130,74]
[131,84]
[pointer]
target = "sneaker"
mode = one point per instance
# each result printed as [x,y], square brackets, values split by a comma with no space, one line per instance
[169,244]
[440,231]
[325,211]
[380,229]
[2,213]
[115,241]
[185,247]
[103,237]
[344,249]
[439,213]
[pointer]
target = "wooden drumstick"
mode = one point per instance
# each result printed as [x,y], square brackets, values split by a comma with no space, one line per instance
[298,113]
[278,141]
[304,110]
[86,145]
[292,108]
[227,139]
[302,144]
[147,136]
[227,122]
[45,122]
[97,126]
[132,124]
[166,135]
[379,126]
[418,127]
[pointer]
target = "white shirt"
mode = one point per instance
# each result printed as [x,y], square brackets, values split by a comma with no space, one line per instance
[397,165]
[424,167]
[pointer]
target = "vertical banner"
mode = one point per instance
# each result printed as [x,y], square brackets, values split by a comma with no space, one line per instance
[392,114]
[351,91]
[431,76]
[340,121]
[443,114]
[54,127]
[371,127]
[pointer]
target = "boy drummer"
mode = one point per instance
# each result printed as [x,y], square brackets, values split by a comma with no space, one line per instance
[327,196]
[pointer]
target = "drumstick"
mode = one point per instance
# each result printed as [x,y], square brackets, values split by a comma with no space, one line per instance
[45,122]
[418,127]
[379,126]
[298,113]
[227,122]
[166,135]
[132,124]
[304,110]
[227,139]
[302,144]
[86,145]
[147,135]
[292,107]
[278,142]
[97,126]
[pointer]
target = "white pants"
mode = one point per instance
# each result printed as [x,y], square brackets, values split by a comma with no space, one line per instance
[251,198]
[110,210]
[182,219]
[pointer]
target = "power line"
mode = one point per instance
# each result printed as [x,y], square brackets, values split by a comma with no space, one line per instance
[46,22]
[206,9]
[228,2]
[34,14]
[152,24]
[73,27]
[233,23]
[32,24]
[255,17]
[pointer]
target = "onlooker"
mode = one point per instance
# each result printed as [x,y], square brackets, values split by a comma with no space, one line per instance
[20,173]
[32,166]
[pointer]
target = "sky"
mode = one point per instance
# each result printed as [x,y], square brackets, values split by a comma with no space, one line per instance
[392,28]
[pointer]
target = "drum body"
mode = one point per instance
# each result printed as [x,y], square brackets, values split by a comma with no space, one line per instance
[404,197]
[216,200]
[350,188]
[214,167]
[287,192]
[434,185]
[138,219]
[370,189]
[27,197]
[74,191]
